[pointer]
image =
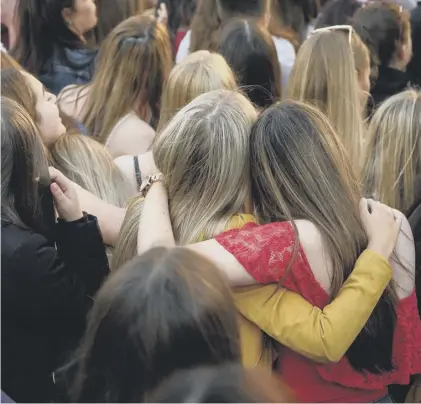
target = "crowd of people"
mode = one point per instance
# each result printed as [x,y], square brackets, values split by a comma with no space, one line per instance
[211,201]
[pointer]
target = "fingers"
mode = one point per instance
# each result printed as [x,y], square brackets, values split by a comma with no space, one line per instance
[58,194]
[363,206]
[58,178]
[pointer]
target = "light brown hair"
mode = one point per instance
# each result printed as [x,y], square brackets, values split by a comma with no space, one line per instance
[393,168]
[134,64]
[198,73]
[203,154]
[126,246]
[325,74]
[89,164]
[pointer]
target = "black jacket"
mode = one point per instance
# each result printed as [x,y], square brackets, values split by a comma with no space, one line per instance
[389,82]
[68,66]
[45,296]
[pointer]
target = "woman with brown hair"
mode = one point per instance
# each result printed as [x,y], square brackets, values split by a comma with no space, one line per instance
[386,30]
[211,18]
[164,311]
[49,269]
[29,92]
[332,71]
[120,107]
[311,234]
[199,73]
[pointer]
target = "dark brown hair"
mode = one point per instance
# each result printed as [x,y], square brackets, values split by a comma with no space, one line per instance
[251,54]
[382,26]
[222,384]
[166,310]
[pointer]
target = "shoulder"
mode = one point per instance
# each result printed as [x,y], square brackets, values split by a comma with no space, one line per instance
[183,49]
[131,136]
[71,100]
[314,248]
[23,249]
[126,166]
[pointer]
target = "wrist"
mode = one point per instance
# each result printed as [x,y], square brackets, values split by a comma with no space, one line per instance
[149,182]
[379,249]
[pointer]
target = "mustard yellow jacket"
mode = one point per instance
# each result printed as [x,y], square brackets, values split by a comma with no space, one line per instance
[321,335]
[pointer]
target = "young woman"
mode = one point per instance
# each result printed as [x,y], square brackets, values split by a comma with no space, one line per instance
[165,311]
[332,71]
[393,168]
[41,106]
[120,107]
[45,291]
[89,164]
[251,54]
[199,73]
[386,30]
[51,43]
[213,15]
[320,200]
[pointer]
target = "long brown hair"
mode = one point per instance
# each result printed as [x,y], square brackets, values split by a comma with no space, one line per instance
[164,311]
[301,171]
[325,74]
[134,64]
[393,168]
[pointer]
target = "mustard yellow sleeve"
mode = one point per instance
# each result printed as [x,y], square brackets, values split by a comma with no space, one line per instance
[321,335]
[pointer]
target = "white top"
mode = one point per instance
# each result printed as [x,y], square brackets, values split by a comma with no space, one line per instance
[284,48]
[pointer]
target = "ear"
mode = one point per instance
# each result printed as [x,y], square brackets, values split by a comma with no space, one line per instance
[401,51]
[67,14]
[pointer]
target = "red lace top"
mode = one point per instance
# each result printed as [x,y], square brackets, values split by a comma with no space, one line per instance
[265,252]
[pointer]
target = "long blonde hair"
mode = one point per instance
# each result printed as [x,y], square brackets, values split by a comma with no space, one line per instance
[203,154]
[88,163]
[126,246]
[393,168]
[301,171]
[134,63]
[325,74]
[197,74]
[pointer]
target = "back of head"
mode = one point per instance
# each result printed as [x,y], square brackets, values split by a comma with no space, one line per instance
[111,13]
[25,182]
[180,13]
[203,154]
[222,384]
[89,164]
[126,246]
[198,73]
[134,63]
[164,311]
[41,28]
[337,12]
[251,53]
[382,26]
[245,8]
[325,74]
[320,187]
[393,168]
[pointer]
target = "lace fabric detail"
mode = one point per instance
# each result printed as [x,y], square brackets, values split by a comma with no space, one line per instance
[267,251]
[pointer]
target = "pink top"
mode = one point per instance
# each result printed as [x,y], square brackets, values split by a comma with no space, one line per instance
[265,252]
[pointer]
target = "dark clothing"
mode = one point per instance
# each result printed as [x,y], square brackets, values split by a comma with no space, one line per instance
[68,66]
[414,67]
[389,82]
[45,296]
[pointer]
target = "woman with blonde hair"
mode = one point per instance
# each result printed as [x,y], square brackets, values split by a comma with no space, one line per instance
[208,196]
[332,71]
[199,73]
[393,168]
[89,164]
[314,227]
[120,107]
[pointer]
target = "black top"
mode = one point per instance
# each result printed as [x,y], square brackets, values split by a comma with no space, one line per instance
[389,82]
[45,295]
